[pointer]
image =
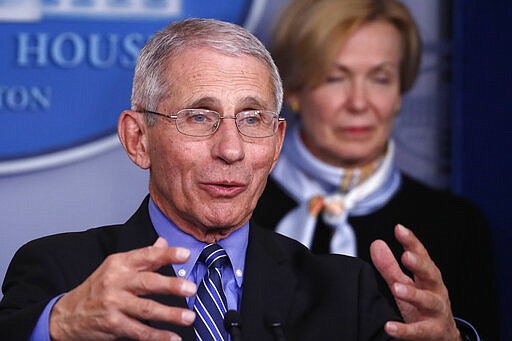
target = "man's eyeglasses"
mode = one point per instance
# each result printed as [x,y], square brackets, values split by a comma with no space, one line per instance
[203,122]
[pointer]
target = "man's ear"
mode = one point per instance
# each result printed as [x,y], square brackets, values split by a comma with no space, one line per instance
[133,134]
[279,137]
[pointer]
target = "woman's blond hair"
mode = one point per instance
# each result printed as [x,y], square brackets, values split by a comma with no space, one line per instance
[309,34]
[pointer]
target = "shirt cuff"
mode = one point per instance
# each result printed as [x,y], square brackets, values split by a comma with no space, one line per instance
[467,331]
[41,331]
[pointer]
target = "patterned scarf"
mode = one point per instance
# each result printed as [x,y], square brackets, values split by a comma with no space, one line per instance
[317,188]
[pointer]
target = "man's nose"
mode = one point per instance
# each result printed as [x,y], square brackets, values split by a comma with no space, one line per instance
[229,143]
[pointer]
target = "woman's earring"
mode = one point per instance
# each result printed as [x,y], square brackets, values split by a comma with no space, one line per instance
[294,106]
[399,107]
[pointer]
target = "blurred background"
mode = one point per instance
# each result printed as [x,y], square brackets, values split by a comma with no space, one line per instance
[65,75]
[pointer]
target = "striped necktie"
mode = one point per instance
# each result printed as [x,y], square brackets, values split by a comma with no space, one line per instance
[210,305]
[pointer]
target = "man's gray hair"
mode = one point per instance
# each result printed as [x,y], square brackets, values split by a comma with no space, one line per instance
[151,83]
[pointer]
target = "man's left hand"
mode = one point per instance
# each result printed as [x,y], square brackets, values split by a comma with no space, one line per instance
[423,300]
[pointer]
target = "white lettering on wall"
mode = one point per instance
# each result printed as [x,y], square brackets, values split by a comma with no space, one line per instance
[69,50]
[25,98]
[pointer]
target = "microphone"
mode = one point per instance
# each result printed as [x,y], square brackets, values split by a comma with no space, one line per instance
[273,321]
[232,323]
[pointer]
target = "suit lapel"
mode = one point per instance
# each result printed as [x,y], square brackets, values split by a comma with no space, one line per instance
[268,285]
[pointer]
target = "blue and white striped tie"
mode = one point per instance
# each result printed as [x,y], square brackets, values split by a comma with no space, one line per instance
[210,305]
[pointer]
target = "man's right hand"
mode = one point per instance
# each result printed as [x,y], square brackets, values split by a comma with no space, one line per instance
[107,305]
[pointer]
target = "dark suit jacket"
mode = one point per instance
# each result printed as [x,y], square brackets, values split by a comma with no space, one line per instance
[315,297]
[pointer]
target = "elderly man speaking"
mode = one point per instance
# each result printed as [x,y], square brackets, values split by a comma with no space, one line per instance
[205,122]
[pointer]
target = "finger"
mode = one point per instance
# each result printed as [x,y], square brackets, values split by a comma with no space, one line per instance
[154,283]
[416,257]
[160,242]
[124,326]
[422,300]
[149,258]
[409,331]
[425,272]
[386,264]
[409,241]
[148,309]
[421,331]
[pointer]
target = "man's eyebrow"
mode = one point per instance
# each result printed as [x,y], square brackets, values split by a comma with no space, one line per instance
[203,102]
[245,103]
[254,102]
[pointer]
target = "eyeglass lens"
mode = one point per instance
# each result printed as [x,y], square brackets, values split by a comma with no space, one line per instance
[252,123]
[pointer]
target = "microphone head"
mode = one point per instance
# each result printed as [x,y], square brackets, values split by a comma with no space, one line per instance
[232,320]
[273,320]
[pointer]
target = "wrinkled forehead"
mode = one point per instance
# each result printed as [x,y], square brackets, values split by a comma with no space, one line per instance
[202,77]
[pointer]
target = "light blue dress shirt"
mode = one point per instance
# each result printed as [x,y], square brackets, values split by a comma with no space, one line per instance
[235,245]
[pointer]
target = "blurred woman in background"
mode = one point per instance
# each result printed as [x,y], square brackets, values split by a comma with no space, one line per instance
[345,65]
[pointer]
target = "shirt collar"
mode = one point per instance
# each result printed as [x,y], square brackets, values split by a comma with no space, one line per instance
[235,244]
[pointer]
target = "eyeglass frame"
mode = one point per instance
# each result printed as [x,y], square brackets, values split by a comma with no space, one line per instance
[221,117]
